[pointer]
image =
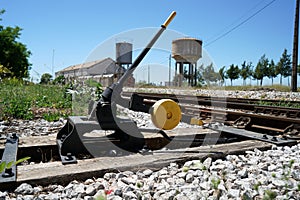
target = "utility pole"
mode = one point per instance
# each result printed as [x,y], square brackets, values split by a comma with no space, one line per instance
[169,70]
[53,63]
[295,50]
[148,74]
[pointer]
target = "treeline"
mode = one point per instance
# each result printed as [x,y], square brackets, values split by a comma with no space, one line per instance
[13,54]
[265,68]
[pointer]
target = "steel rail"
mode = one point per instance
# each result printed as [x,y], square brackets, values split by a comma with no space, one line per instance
[225,103]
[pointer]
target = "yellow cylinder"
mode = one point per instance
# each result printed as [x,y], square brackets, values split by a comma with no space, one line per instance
[170,18]
[165,114]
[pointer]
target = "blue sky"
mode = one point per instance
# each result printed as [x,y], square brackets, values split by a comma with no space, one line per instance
[73,29]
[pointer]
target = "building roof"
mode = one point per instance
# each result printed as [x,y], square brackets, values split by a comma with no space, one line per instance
[87,65]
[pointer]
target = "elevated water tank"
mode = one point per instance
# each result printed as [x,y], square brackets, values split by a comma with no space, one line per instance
[187,50]
[124,53]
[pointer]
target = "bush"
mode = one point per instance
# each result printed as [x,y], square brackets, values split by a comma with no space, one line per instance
[60,80]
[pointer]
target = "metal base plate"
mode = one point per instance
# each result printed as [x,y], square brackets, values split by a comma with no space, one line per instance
[252,135]
[10,155]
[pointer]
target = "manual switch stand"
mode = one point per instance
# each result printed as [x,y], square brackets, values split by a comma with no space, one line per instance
[126,136]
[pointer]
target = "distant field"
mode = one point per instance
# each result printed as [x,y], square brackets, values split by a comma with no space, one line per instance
[281,88]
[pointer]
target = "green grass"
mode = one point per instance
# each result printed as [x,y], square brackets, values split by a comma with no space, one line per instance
[185,169]
[215,183]
[21,100]
[269,195]
[281,103]
[4,165]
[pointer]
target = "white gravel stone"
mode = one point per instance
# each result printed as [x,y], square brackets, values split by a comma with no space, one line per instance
[272,167]
[37,190]
[89,181]
[279,183]
[233,193]
[108,176]
[24,188]
[221,187]
[129,195]
[128,181]
[181,174]
[3,195]
[58,189]
[180,181]
[205,185]
[147,172]
[207,162]
[53,196]
[162,172]
[90,190]
[189,178]
[79,188]
[88,198]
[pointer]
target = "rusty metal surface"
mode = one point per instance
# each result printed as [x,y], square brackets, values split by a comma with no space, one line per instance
[223,102]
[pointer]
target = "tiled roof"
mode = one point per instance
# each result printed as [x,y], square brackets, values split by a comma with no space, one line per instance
[85,65]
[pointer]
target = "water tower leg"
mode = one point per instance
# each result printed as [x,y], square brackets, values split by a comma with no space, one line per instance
[195,83]
[192,76]
[175,76]
[180,74]
[189,74]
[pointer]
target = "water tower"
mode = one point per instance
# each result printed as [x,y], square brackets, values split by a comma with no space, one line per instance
[186,52]
[124,59]
[124,54]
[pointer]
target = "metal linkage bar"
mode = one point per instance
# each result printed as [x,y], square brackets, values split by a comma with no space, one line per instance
[10,155]
[252,135]
[116,89]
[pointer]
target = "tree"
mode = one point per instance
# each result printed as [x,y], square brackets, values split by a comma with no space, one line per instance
[233,72]
[250,70]
[223,75]
[209,74]
[13,54]
[245,71]
[46,78]
[61,80]
[261,69]
[284,66]
[199,75]
[272,70]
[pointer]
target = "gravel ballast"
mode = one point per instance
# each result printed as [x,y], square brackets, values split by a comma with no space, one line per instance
[271,174]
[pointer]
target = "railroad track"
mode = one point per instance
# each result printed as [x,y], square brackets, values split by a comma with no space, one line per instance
[91,146]
[274,120]
[49,170]
[291,110]
[182,143]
